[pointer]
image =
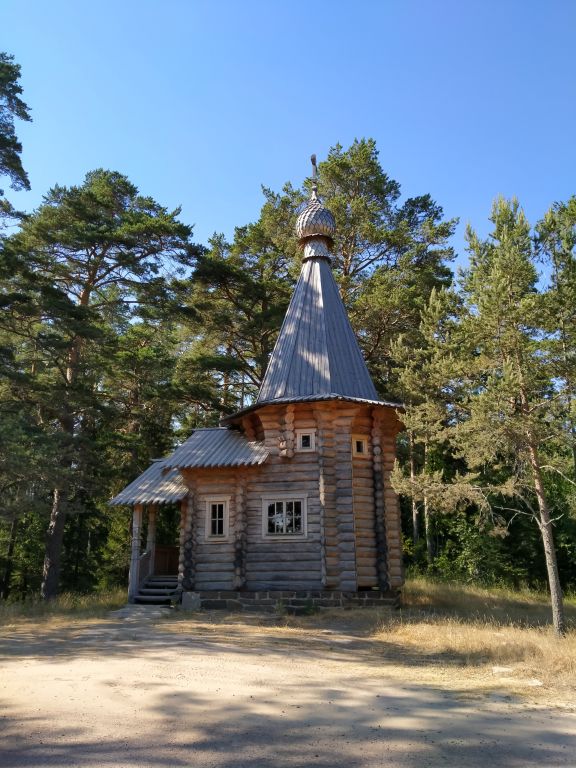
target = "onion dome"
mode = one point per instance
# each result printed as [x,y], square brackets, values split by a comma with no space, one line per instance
[315,220]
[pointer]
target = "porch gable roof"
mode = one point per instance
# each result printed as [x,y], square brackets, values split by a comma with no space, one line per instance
[159,484]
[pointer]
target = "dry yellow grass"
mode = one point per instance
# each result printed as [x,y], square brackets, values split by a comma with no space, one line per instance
[66,606]
[493,640]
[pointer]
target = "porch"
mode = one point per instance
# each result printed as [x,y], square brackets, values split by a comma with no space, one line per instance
[159,501]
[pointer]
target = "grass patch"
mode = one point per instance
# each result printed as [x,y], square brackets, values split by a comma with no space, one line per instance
[499,635]
[525,608]
[67,605]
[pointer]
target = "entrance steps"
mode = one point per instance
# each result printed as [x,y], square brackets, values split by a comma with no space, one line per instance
[157,590]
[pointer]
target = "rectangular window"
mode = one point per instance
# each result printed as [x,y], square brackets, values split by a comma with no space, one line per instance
[217,519]
[284,517]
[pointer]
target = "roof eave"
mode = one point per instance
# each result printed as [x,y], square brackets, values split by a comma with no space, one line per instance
[224,421]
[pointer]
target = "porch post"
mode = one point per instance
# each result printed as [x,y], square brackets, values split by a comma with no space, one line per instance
[151,538]
[135,555]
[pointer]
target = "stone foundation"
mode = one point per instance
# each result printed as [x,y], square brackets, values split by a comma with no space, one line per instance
[272,601]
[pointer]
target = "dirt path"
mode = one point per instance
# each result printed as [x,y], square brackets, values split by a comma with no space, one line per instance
[132,692]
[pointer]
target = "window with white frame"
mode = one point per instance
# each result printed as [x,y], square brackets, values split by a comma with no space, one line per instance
[284,517]
[305,440]
[217,519]
[360,446]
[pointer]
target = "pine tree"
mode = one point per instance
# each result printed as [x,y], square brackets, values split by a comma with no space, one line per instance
[11,106]
[556,241]
[497,374]
[90,254]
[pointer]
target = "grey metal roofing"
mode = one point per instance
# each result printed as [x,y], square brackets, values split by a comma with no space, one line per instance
[217,447]
[317,353]
[157,485]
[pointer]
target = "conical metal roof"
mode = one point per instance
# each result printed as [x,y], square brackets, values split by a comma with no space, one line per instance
[316,354]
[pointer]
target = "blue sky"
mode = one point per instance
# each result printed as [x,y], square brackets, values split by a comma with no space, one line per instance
[199,103]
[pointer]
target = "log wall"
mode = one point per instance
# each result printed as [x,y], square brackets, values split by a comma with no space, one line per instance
[294,562]
[214,561]
[364,502]
[352,538]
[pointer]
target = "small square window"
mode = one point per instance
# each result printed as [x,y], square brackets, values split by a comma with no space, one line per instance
[360,446]
[305,440]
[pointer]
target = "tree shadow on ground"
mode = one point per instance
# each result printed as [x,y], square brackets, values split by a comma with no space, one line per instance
[347,723]
[120,639]
[319,698]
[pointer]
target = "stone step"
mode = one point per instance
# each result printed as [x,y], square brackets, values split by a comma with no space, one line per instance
[160,584]
[152,599]
[165,577]
[156,591]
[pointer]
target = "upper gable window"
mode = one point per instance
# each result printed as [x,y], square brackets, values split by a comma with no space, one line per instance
[360,446]
[217,519]
[305,440]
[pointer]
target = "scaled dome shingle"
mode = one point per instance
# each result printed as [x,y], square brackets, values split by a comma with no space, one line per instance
[315,220]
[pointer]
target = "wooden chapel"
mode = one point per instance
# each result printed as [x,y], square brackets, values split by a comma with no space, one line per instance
[290,499]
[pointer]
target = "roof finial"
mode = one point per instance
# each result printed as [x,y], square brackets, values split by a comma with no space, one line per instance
[314,176]
[315,226]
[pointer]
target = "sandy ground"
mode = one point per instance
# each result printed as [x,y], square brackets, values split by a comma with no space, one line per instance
[132,691]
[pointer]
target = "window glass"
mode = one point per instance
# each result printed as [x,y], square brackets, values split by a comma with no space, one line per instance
[285,517]
[305,439]
[217,519]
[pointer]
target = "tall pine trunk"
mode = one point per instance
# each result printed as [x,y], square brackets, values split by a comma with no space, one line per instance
[52,555]
[428,518]
[7,575]
[415,531]
[428,530]
[545,525]
[55,532]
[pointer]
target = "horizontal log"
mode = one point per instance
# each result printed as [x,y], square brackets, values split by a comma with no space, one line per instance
[211,556]
[363,495]
[363,505]
[287,578]
[363,468]
[364,521]
[366,562]
[311,572]
[277,548]
[307,471]
[299,586]
[304,563]
[207,581]
[366,575]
